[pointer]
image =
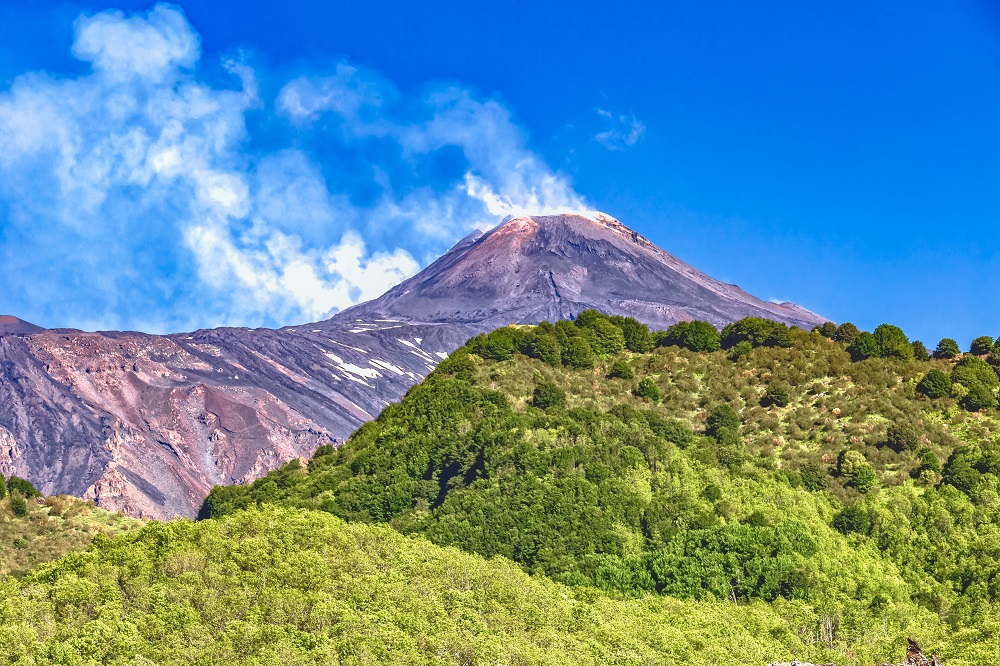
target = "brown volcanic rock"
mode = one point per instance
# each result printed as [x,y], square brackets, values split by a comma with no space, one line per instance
[552,267]
[148,424]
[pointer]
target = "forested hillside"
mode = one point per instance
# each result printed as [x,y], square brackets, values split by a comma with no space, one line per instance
[843,472]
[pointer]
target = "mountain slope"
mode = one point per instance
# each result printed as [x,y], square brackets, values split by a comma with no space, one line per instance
[148,424]
[530,269]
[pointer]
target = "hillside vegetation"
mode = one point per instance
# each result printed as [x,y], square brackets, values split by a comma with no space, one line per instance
[36,529]
[830,471]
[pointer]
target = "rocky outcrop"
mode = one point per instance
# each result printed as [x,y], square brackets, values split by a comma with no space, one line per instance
[148,424]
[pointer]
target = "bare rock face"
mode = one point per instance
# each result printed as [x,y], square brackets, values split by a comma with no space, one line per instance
[148,424]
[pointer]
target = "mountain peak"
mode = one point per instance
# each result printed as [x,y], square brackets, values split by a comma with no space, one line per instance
[10,325]
[535,267]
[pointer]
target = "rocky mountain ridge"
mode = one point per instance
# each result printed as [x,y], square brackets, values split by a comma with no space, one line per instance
[147,424]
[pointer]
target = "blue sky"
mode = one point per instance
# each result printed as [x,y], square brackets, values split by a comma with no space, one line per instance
[213,163]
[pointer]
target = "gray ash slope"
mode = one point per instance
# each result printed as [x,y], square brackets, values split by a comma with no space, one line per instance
[148,424]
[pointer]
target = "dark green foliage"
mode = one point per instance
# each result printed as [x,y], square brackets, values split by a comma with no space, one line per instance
[605,338]
[846,333]
[827,330]
[813,476]
[18,505]
[638,338]
[776,396]
[947,348]
[577,353]
[863,346]
[758,332]
[892,342]
[980,379]
[935,384]
[902,437]
[960,470]
[3,487]
[740,350]
[496,346]
[543,346]
[22,486]
[548,395]
[722,416]
[994,358]
[698,336]
[647,389]
[852,518]
[920,352]
[929,461]
[864,478]
[981,346]
[621,370]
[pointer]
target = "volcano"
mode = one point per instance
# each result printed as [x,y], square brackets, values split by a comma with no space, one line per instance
[147,424]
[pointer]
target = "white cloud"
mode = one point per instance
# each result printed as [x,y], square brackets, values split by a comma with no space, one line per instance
[137,188]
[623,131]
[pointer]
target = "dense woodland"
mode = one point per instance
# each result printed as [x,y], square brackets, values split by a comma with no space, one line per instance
[587,491]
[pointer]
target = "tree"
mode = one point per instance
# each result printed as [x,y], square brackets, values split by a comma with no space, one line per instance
[547,395]
[3,487]
[638,338]
[846,333]
[776,396]
[647,389]
[577,353]
[757,331]
[920,352]
[973,370]
[621,370]
[947,348]
[929,461]
[722,416]
[994,358]
[864,478]
[813,476]
[981,346]
[852,518]
[827,330]
[848,462]
[22,486]
[979,397]
[701,336]
[496,346]
[545,347]
[892,342]
[605,338]
[935,384]
[863,346]
[740,349]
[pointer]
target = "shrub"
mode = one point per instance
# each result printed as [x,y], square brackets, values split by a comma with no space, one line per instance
[935,384]
[547,395]
[979,397]
[647,389]
[18,505]
[864,478]
[902,437]
[621,370]
[929,461]
[849,461]
[981,346]
[3,487]
[722,416]
[947,348]
[740,349]
[846,333]
[776,396]
[852,518]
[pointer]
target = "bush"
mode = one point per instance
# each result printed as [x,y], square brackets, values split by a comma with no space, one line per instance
[22,486]
[981,346]
[776,396]
[722,416]
[18,505]
[979,397]
[3,487]
[647,389]
[935,384]
[929,461]
[621,370]
[864,478]
[846,333]
[947,348]
[740,349]
[852,519]
[902,437]
[547,395]
[849,461]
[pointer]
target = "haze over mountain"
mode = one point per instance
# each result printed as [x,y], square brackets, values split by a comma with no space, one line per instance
[148,424]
